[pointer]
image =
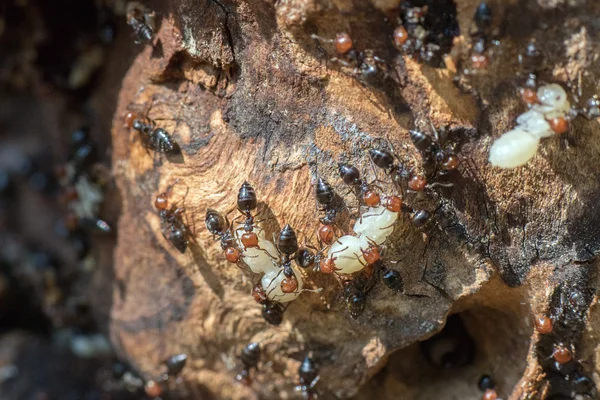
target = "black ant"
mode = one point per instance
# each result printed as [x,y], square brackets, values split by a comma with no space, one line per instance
[272,311]
[384,159]
[246,203]
[308,376]
[219,227]
[175,365]
[141,20]
[287,244]
[173,228]
[355,294]
[250,358]
[435,152]
[153,138]
[362,190]
[326,198]
[365,64]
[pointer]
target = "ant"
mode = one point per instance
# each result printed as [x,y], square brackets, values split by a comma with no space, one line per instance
[365,64]
[141,20]
[153,138]
[220,227]
[308,376]
[390,277]
[287,244]
[362,190]
[488,387]
[246,203]
[272,311]
[384,159]
[175,365]
[173,228]
[326,198]
[355,293]
[250,358]
[435,152]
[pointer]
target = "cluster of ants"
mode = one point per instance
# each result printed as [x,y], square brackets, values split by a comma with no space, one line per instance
[284,265]
[355,259]
[557,330]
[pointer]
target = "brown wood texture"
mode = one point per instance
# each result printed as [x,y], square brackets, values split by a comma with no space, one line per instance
[250,96]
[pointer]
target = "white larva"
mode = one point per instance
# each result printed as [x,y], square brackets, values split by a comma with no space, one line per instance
[261,259]
[513,149]
[271,282]
[534,122]
[376,224]
[553,98]
[347,254]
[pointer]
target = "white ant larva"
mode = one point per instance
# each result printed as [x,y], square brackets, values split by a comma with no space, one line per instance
[271,282]
[553,99]
[347,255]
[376,224]
[517,146]
[534,122]
[513,149]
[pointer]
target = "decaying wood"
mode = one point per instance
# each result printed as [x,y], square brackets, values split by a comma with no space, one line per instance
[250,96]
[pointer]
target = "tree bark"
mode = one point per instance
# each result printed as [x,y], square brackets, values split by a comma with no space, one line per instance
[250,96]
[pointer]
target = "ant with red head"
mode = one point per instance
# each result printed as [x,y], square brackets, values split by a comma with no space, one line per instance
[326,198]
[250,357]
[173,228]
[364,64]
[308,377]
[401,176]
[153,138]
[272,311]
[287,244]
[362,189]
[218,225]
[438,153]
[247,202]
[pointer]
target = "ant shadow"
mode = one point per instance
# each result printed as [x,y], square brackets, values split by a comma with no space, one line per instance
[175,156]
[203,267]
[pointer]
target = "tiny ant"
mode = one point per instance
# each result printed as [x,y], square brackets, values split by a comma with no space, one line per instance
[173,228]
[390,277]
[365,64]
[435,153]
[287,244]
[175,364]
[219,227]
[362,190]
[153,138]
[308,376]
[246,203]
[141,20]
[272,311]
[250,358]
[326,198]
[355,295]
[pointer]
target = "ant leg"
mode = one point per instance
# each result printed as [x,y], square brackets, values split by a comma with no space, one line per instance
[322,39]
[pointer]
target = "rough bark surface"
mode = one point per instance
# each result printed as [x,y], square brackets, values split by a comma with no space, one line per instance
[250,96]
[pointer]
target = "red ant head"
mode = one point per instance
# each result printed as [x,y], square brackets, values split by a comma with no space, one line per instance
[371,254]
[161,202]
